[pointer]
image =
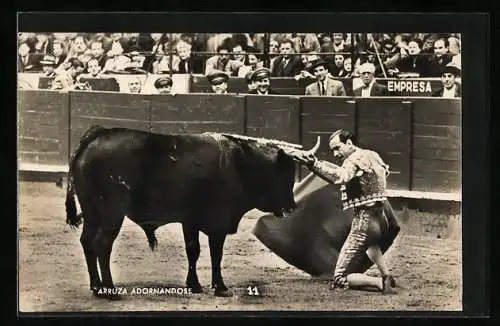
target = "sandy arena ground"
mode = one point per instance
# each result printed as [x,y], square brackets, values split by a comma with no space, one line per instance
[425,258]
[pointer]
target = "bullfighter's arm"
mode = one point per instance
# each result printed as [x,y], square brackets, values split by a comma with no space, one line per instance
[332,172]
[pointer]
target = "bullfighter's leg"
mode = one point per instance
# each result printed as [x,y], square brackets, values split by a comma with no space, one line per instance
[354,247]
[191,239]
[103,244]
[216,243]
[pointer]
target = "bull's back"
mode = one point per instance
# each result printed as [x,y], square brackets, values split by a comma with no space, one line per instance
[168,178]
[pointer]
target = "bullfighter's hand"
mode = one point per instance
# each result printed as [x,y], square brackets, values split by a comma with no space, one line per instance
[307,160]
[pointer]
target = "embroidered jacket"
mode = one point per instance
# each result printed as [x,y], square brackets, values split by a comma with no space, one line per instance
[363,177]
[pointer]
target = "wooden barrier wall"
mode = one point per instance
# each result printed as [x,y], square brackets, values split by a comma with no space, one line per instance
[43,127]
[418,137]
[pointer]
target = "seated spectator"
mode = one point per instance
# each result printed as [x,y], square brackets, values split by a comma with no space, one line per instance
[25,61]
[220,61]
[412,61]
[184,62]
[451,88]
[137,60]
[456,61]
[148,41]
[61,82]
[440,58]
[48,63]
[251,63]
[370,86]
[390,56]
[337,66]
[346,71]
[78,50]
[161,61]
[96,51]
[238,59]
[43,44]
[274,48]
[93,70]
[216,40]
[305,41]
[454,45]
[115,42]
[262,82]
[163,85]
[327,47]
[308,57]
[286,65]
[134,85]
[324,84]
[250,82]
[75,69]
[58,53]
[117,62]
[218,81]
[340,45]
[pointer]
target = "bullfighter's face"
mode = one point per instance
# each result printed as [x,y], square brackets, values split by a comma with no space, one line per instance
[340,149]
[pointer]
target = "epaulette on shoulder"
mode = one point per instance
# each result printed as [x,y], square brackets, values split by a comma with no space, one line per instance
[362,158]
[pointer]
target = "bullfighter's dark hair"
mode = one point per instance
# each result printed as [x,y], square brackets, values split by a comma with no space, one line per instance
[344,135]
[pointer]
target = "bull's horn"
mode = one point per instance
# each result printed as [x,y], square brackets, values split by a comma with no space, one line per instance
[313,150]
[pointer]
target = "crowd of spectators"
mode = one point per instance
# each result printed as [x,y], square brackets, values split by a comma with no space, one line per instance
[70,56]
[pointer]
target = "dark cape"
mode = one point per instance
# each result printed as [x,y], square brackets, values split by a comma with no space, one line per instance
[311,237]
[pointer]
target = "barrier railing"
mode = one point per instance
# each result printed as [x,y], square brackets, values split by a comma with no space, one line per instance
[419,137]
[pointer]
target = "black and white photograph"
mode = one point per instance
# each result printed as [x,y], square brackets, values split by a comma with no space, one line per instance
[294,171]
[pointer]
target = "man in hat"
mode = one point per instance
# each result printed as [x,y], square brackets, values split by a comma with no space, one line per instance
[48,63]
[262,82]
[218,81]
[451,88]
[324,85]
[370,87]
[363,178]
[164,85]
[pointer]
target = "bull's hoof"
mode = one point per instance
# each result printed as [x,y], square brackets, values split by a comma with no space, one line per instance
[226,293]
[196,288]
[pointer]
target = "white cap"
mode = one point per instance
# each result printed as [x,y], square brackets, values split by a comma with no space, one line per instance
[367,67]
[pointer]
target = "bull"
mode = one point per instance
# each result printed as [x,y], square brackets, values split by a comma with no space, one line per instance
[206,182]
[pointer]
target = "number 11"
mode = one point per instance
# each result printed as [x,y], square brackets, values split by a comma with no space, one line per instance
[252,290]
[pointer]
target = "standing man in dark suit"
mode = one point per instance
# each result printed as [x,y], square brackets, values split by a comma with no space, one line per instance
[324,85]
[286,65]
[262,82]
[370,86]
[451,88]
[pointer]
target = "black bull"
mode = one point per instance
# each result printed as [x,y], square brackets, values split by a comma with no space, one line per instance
[206,182]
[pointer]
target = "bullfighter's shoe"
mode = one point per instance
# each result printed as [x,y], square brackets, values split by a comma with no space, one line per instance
[388,285]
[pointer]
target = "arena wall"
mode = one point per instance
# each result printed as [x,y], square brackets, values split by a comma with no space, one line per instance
[419,137]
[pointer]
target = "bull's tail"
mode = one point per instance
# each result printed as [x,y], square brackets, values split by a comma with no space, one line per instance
[150,233]
[72,218]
